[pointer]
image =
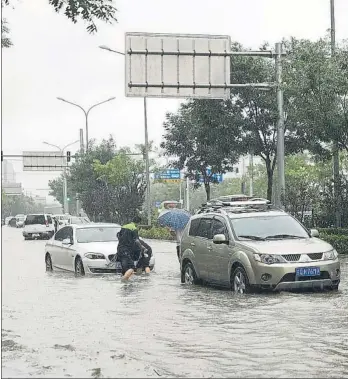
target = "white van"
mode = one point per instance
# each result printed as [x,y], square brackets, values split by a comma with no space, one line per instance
[62,220]
[38,226]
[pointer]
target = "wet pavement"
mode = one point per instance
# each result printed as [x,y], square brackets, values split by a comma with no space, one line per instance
[56,325]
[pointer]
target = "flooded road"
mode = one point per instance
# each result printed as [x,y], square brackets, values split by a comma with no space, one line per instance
[56,325]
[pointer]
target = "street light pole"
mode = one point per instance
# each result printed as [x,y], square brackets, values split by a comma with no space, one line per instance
[86,113]
[147,162]
[65,183]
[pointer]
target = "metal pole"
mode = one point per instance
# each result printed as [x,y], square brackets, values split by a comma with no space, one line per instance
[86,115]
[188,194]
[335,150]
[65,192]
[77,205]
[147,167]
[279,198]
[81,140]
[251,168]
[180,193]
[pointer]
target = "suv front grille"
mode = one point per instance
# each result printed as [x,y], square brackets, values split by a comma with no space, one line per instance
[315,256]
[292,257]
[290,277]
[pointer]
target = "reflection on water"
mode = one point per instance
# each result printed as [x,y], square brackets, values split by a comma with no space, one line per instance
[57,325]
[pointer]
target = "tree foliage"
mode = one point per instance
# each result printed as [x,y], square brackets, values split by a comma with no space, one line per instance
[110,183]
[125,180]
[19,204]
[89,11]
[202,135]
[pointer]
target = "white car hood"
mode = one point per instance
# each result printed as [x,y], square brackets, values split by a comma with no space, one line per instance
[99,247]
[290,246]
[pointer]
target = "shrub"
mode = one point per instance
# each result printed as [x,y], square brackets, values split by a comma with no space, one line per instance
[157,233]
[339,242]
[336,231]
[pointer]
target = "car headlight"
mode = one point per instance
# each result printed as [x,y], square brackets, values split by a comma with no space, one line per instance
[330,255]
[269,259]
[94,256]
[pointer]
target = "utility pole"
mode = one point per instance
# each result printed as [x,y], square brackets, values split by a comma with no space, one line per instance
[65,184]
[147,163]
[335,150]
[280,195]
[82,148]
[188,194]
[147,167]
[251,168]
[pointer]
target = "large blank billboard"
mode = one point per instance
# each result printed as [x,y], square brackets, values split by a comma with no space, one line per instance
[43,161]
[155,69]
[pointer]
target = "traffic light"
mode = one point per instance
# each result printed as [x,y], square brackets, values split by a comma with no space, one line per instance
[68,198]
[68,156]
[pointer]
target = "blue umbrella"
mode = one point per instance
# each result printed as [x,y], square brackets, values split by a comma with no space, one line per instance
[175,219]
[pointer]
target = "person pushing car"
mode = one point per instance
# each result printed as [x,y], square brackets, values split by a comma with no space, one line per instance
[130,245]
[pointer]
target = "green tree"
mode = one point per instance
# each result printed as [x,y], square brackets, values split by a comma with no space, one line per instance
[202,135]
[259,109]
[316,87]
[89,11]
[125,179]
[82,179]
[56,186]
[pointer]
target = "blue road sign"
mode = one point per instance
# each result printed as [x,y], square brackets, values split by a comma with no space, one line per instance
[216,177]
[157,204]
[169,174]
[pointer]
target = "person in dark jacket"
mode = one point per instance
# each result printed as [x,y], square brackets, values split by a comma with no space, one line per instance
[143,257]
[128,245]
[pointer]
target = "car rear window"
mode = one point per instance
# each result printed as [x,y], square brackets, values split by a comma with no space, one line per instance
[35,219]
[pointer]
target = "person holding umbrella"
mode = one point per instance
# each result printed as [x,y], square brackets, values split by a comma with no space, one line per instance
[175,219]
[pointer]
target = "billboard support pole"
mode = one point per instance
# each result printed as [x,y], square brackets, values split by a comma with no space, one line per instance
[147,167]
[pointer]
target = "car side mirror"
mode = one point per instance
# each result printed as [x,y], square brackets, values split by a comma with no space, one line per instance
[220,238]
[314,233]
[67,241]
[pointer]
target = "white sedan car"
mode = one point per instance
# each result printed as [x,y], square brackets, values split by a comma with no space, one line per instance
[85,249]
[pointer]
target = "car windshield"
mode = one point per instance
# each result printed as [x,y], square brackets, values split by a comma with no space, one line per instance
[97,234]
[268,227]
[35,219]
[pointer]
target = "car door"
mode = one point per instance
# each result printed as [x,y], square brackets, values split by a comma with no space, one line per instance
[68,251]
[57,248]
[220,254]
[203,235]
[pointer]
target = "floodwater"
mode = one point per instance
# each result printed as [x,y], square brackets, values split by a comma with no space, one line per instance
[56,325]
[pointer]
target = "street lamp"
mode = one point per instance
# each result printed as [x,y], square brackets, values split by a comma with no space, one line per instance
[86,112]
[147,163]
[65,184]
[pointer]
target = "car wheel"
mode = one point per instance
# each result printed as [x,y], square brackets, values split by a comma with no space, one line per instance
[48,262]
[239,281]
[79,270]
[188,275]
[334,287]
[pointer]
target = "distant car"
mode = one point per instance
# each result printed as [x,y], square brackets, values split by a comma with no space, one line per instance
[8,219]
[38,226]
[78,220]
[12,222]
[85,249]
[62,220]
[20,221]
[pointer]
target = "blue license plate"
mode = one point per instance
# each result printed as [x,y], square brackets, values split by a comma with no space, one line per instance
[308,271]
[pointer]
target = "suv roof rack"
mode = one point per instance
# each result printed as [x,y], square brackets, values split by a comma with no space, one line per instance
[238,207]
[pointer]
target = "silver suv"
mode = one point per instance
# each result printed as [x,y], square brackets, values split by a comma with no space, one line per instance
[251,244]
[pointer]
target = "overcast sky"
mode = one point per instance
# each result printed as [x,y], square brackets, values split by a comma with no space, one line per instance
[53,57]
